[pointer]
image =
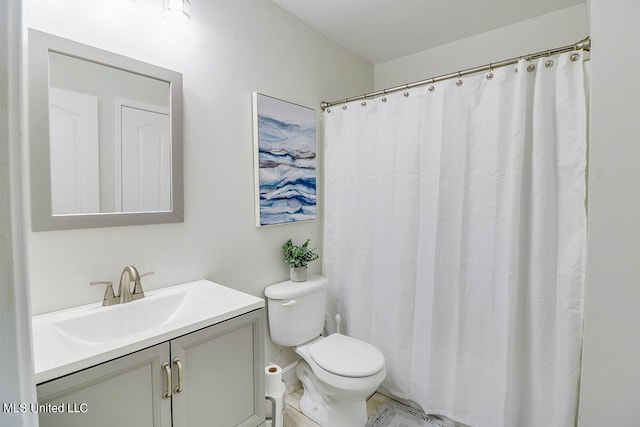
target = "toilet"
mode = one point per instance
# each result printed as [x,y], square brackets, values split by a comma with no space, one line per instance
[338,373]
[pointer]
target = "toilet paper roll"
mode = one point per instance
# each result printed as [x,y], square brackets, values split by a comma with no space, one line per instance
[273,385]
[276,389]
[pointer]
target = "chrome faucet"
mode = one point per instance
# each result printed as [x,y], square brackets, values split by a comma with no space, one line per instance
[129,274]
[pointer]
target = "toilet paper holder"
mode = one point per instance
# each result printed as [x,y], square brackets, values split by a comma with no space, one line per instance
[274,411]
[273,407]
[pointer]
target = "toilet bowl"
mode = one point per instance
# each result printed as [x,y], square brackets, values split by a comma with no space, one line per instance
[335,385]
[338,372]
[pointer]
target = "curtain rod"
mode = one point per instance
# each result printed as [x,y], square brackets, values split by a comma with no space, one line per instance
[584,44]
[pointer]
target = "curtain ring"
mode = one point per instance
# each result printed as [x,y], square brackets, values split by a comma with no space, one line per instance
[489,75]
[431,88]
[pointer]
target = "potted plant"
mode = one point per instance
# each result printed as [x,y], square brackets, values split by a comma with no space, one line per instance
[298,257]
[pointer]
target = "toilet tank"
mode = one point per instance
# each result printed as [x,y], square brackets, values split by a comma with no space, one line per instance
[296,310]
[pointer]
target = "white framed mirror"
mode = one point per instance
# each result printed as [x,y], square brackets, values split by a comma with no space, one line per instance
[105,138]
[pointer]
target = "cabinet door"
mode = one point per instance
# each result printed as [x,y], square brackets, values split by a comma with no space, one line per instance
[223,374]
[123,392]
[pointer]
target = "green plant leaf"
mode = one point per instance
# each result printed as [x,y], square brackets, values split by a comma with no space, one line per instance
[298,255]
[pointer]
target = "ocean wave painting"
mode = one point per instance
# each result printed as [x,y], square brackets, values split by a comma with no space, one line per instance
[285,153]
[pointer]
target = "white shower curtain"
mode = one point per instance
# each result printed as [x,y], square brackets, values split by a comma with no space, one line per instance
[455,232]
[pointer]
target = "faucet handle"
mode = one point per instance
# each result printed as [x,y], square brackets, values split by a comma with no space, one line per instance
[137,288]
[109,296]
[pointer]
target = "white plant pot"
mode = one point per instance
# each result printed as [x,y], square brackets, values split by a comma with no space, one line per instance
[298,274]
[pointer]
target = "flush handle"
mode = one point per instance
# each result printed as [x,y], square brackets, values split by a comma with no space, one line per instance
[289,303]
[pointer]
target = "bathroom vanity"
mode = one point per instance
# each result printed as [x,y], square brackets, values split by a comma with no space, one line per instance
[201,364]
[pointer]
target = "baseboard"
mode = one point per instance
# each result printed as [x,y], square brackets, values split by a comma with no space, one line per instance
[289,375]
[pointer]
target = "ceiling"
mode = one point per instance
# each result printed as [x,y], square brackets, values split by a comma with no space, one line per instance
[381,30]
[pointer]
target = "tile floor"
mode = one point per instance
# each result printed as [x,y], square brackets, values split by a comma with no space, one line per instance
[294,418]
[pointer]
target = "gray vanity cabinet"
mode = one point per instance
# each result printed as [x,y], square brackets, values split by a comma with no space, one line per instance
[122,392]
[219,383]
[222,369]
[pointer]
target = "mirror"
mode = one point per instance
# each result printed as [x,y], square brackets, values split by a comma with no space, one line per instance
[106,137]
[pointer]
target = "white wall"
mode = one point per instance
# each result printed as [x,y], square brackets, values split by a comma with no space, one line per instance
[610,388]
[16,376]
[228,50]
[555,29]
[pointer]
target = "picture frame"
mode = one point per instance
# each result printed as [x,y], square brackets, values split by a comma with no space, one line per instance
[284,139]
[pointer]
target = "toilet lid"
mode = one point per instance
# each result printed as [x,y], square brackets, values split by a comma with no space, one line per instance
[346,356]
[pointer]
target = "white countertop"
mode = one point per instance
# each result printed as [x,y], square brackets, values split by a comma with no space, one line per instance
[69,340]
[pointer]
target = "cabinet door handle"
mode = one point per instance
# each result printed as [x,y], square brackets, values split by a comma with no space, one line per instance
[167,369]
[178,363]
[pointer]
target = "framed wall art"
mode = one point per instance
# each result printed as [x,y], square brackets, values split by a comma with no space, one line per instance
[284,139]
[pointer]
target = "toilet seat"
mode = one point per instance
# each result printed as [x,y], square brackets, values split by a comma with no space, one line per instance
[346,356]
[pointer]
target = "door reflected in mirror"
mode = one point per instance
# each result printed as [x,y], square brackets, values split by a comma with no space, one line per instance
[109,137]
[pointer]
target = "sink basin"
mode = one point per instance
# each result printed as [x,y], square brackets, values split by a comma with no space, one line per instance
[122,320]
[69,340]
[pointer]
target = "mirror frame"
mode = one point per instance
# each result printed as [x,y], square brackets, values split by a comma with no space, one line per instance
[42,218]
